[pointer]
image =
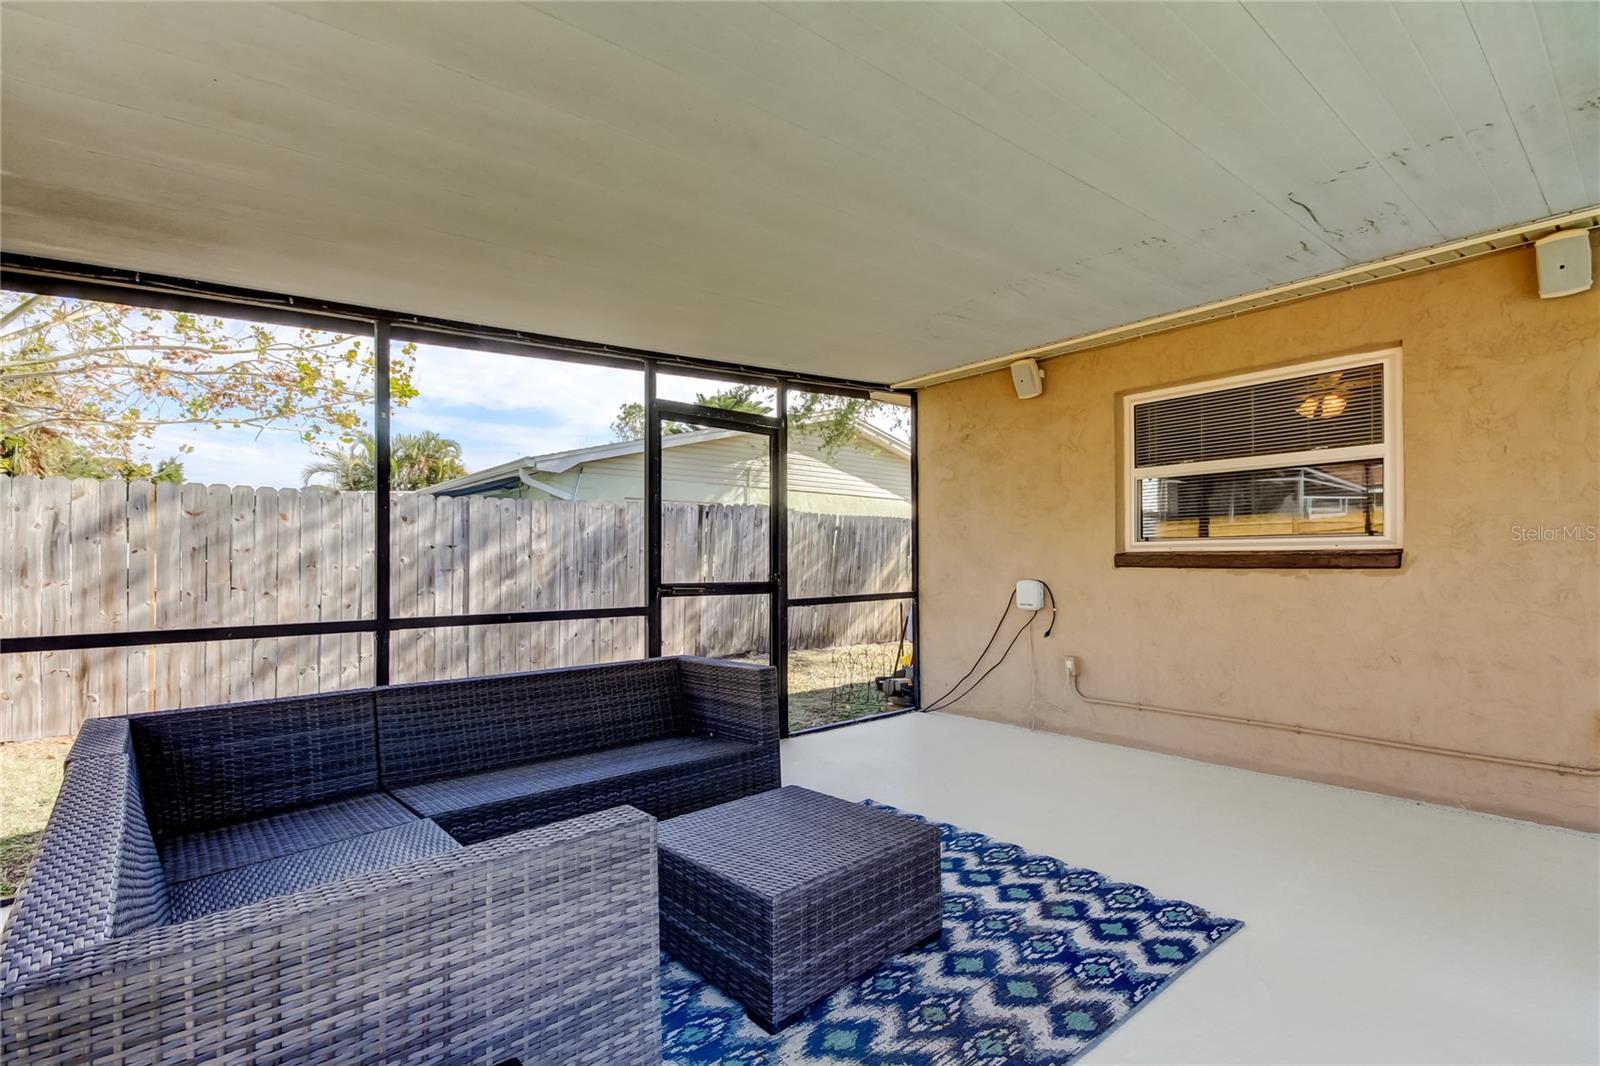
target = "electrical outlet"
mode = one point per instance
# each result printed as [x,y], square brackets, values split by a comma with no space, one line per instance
[1072,666]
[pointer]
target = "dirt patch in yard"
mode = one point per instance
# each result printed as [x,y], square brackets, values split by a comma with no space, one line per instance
[30,777]
[828,685]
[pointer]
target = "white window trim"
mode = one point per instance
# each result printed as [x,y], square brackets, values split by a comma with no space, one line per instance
[1389,451]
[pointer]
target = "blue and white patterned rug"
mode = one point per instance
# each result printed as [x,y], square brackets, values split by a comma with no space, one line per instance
[1039,961]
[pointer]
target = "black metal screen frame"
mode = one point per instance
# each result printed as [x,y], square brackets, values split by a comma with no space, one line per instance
[782,601]
[52,277]
[773,586]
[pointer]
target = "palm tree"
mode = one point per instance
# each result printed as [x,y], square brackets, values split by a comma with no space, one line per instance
[423,459]
[416,460]
[351,467]
[735,398]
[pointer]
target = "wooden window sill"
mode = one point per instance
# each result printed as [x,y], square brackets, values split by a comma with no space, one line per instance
[1342,559]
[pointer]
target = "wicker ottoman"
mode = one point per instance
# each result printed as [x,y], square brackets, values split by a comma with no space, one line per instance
[781,898]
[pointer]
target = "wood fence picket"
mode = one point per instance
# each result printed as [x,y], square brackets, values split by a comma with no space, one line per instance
[84,556]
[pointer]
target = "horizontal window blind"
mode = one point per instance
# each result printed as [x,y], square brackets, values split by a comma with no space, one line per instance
[1311,412]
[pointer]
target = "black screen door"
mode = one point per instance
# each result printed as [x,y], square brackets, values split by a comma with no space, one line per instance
[714,481]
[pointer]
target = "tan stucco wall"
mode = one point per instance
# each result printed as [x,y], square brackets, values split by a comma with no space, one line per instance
[1480,642]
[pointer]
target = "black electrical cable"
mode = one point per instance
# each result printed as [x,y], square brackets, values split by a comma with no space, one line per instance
[945,700]
[998,663]
[1052,594]
[941,701]
[987,645]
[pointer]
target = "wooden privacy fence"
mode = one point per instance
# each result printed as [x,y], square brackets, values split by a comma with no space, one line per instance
[96,556]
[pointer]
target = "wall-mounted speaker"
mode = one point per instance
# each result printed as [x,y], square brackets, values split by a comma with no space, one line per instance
[1028,378]
[1565,263]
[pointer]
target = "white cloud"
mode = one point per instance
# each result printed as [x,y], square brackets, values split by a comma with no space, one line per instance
[228,456]
[496,406]
[499,407]
[573,392]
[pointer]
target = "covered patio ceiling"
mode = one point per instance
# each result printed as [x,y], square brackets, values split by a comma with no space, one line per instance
[873,192]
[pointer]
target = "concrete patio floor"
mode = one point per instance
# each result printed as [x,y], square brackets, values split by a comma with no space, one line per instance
[1377,929]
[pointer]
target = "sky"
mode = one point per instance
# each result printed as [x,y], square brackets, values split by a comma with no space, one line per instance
[497,407]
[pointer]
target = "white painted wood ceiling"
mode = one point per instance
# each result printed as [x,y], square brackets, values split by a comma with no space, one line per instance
[870,191]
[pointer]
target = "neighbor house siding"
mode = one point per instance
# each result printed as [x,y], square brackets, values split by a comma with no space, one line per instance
[1485,640]
[856,479]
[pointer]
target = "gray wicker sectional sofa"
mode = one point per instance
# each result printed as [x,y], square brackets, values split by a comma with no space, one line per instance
[665,735]
[460,871]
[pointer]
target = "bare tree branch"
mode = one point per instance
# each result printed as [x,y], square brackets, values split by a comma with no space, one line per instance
[18,311]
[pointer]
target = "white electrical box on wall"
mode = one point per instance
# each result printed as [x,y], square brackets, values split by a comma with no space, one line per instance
[1030,595]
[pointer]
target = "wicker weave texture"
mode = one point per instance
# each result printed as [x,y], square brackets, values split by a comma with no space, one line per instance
[264,839]
[443,728]
[661,789]
[212,766]
[728,699]
[540,946]
[301,870]
[780,899]
[96,875]
[682,734]
[100,737]
[303,915]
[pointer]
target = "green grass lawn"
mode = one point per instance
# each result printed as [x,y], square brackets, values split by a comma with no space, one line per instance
[30,776]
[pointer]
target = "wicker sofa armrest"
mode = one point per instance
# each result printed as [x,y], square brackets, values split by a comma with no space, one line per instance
[728,699]
[541,945]
[96,875]
[100,738]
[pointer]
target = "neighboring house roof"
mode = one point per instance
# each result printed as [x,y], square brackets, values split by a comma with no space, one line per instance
[526,470]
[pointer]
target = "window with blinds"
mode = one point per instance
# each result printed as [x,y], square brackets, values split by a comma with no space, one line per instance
[1298,457]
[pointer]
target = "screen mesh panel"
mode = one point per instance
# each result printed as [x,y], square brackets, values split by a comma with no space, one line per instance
[1337,409]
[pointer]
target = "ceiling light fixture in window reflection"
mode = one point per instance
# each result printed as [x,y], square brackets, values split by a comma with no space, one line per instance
[1325,404]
